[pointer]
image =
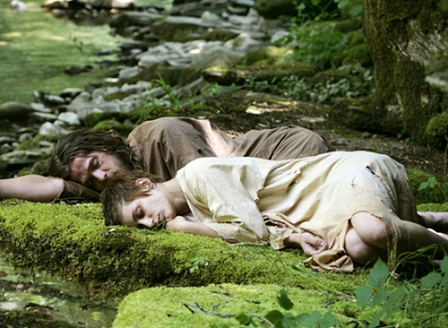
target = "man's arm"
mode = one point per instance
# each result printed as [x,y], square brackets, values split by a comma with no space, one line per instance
[32,187]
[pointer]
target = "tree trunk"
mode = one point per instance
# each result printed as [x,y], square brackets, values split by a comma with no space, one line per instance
[402,36]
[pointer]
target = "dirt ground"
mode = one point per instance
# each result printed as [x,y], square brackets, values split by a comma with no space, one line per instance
[254,113]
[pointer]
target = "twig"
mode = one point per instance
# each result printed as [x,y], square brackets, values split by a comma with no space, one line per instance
[271,325]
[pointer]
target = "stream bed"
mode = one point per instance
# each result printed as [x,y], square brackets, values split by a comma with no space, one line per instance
[51,295]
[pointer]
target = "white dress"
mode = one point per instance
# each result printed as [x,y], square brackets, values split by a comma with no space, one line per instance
[259,201]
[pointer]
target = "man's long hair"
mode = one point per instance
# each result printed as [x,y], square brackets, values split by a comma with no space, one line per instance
[85,142]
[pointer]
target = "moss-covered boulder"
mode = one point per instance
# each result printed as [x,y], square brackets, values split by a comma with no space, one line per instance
[73,242]
[225,305]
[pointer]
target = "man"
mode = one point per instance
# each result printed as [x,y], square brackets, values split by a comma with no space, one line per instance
[86,160]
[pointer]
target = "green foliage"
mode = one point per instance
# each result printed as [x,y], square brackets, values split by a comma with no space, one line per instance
[346,81]
[430,183]
[424,300]
[276,318]
[427,188]
[354,7]
[176,104]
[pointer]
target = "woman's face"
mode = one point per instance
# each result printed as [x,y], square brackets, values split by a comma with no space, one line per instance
[150,210]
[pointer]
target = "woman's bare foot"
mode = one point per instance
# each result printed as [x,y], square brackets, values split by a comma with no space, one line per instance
[441,234]
[435,220]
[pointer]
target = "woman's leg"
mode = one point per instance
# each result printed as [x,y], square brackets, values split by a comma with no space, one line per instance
[361,252]
[372,231]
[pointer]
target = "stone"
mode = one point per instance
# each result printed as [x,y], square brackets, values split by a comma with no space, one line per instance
[15,111]
[70,118]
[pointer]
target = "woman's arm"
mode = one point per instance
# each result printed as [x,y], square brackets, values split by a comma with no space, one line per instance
[32,187]
[180,223]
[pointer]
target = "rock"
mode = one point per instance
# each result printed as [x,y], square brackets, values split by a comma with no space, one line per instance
[43,117]
[69,118]
[243,43]
[124,20]
[51,130]
[39,107]
[70,92]
[19,5]
[15,111]
[25,137]
[54,100]
[129,72]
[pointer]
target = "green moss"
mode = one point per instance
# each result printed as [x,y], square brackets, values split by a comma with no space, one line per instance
[72,242]
[36,48]
[358,54]
[119,95]
[206,306]
[430,194]
[266,56]
[218,35]
[34,143]
[438,126]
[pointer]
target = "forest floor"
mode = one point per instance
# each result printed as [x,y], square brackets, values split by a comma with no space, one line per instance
[267,111]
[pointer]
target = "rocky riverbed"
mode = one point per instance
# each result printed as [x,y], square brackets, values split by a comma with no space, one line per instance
[162,64]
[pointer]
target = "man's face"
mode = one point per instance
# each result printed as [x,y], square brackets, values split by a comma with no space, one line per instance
[93,170]
[150,210]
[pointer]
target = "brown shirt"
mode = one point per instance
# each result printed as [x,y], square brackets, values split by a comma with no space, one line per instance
[168,144]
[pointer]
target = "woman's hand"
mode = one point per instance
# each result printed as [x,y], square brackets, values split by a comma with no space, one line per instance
[176,224]
[310,244]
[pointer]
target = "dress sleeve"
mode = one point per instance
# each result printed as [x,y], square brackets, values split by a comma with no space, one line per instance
[218,197]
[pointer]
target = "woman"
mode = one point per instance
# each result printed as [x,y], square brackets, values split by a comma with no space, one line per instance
[357,206]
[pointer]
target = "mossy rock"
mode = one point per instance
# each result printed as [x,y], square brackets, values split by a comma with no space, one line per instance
[71,241]
[221,305]
[363,114]
[266,56]
[219,35]
[119,95]
[358,54]
[437,129]
[240,75]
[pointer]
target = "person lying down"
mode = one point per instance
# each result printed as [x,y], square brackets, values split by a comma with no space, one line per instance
[341,208]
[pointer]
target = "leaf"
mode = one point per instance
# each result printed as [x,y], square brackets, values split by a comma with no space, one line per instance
[243,318]
[431,279]
[378,274]
[274,316]
[393,304]
[284,300]
[308,319]
[444,265]
[289,321]
[356,10]
[379,297]
[376,320]
[363,294]
[328,320]
[342,3]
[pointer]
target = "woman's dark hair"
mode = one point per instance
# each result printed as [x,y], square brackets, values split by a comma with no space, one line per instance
[85,142]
